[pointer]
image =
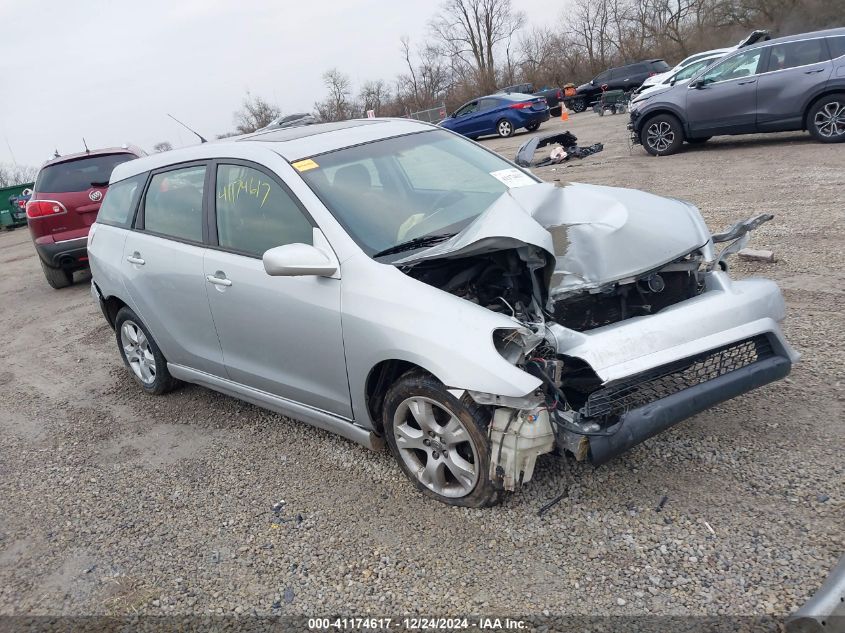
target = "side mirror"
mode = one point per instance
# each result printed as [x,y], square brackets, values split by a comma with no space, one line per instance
[297,260]
[698,83]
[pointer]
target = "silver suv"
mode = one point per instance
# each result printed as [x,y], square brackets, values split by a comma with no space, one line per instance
[790,83]
[390,280]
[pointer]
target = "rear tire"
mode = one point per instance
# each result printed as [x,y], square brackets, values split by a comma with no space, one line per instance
[533,127]
[440,442]
[504,128]
[579,105]
[141,354]
[58,278]
[662,135]
[826,119]
[556,111]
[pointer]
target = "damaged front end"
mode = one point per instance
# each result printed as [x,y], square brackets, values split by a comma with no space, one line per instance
[620,307]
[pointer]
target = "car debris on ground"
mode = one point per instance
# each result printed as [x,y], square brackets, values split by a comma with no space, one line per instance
[566,147]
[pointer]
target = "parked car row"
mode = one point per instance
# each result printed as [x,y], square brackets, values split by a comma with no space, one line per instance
[785,84]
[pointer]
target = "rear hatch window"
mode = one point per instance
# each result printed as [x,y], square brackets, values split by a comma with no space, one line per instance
[660,66]
[80,174]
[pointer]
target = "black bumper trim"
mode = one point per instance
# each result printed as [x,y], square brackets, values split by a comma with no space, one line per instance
[54,252]
[638,425]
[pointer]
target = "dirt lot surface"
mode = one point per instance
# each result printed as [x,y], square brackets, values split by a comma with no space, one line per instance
[115,502]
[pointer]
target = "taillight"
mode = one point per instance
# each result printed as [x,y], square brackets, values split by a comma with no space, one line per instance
[652,74]
[559,95]
[522,105]
[44,208]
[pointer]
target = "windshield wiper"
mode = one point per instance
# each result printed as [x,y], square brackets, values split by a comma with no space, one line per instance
[417,242]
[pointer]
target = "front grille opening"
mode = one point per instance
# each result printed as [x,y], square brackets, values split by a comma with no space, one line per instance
[605,405]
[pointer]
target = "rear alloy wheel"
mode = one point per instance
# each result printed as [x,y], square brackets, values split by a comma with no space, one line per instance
[826,120]
[504,128]
[141,354]
[579,105]
[440,442]
[533,127]
[662,135]
[58,278]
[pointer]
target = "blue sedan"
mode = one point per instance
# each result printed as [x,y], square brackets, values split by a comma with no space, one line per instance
[500,114]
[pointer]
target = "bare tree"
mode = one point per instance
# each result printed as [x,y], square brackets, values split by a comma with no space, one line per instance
[11,175]
[471,31]
[255,113]
[336,106]
[163,146]
[428,77]
[373,95]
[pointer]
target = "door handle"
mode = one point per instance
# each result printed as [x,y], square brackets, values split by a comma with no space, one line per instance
[742,83]
[810,72]
[218,281]
[135,258]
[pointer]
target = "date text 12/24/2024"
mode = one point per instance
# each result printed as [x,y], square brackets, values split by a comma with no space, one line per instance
[416,624]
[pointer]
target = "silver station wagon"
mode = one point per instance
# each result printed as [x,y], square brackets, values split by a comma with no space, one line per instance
[388,280]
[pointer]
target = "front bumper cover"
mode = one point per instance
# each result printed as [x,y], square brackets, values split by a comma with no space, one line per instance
[644,422]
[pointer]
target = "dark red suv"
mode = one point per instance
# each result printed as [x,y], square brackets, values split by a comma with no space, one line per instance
[64,204]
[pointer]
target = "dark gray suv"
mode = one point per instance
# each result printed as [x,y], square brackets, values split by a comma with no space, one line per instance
[790,83]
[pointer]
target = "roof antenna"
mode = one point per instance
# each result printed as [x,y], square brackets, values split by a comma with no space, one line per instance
[87,151]
[202,139]
[56,153]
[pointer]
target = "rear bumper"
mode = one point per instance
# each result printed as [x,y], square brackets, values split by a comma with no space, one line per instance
[64,254]
[638,425]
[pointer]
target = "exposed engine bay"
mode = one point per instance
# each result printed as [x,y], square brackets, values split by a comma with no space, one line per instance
[582,275]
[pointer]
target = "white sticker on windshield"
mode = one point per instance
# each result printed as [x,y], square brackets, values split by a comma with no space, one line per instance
[513,177]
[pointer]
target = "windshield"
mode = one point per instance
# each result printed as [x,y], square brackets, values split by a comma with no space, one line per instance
[693,68]
[80,174]
[395,190]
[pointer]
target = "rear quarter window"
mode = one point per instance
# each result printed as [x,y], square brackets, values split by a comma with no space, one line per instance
[118,206]
[80,174]
[837,46]
[659,66]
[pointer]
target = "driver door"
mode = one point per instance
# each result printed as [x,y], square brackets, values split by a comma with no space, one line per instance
[724,99]
[467,119]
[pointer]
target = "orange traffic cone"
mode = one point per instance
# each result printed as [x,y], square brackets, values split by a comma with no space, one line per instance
[564,113]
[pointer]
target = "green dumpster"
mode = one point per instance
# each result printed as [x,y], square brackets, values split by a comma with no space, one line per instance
[12,205]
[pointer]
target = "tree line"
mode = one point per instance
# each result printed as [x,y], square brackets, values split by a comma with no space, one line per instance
[474,47]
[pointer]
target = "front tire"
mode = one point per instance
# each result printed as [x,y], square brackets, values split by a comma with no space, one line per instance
[579,105]
[440,442]
[141,354]
[662,135]
[504,128]
[826,119]
[58,278]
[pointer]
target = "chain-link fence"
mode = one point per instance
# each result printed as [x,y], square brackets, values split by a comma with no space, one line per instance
[432,115]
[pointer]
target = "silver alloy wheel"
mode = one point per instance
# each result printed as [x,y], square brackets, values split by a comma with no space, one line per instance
[830,120]
[436,446]
[136,347]
[660,136]
[505,128]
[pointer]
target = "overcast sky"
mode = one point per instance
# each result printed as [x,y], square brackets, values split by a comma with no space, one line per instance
[109,71]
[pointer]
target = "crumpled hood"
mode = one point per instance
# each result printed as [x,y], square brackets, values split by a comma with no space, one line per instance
[596,234]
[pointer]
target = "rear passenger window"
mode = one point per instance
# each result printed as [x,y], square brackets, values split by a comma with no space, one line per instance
[119,204]
[795,54]
[255,214]
[173,204]
[837,46]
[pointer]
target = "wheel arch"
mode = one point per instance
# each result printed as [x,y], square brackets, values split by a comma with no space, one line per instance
[110,305]
[379,379]
[657,111]
[814,99]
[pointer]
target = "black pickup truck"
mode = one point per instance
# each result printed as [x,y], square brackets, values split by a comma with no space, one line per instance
[553,96]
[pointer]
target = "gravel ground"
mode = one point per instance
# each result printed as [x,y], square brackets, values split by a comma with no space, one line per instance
[114,502]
